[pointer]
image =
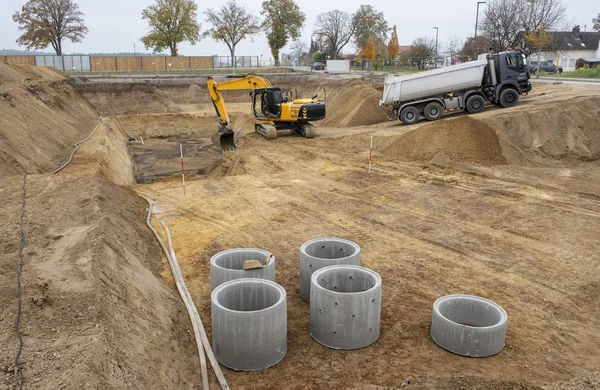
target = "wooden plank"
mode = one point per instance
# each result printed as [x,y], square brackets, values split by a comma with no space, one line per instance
[153,63]
[201,62]
[20,60]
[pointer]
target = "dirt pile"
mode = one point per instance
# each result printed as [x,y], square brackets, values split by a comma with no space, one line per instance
[41,116]
[463,139]
[349,103]
[567,130]
[95,311]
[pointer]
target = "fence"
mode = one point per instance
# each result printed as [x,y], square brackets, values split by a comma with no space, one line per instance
[65,63]
[240,62]
[19,60]
[85,63]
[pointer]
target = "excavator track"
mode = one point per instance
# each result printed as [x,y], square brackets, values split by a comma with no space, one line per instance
[266,130]
[307,130]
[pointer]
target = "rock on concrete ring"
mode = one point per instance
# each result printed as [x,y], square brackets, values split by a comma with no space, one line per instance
[323,252]
[468,325]
[249,324]
[228,265]
[345,306]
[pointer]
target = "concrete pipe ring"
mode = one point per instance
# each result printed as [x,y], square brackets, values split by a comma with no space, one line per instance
[345,306]
[468,325]
[229,265]
[323,252]
[249,324]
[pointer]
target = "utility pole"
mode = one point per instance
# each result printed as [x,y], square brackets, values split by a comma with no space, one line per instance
[437,30]
[476,23]
[134,49]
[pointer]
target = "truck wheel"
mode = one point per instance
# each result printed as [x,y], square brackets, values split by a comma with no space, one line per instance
[433,111]
[509,98]
[409,115]
[475,104]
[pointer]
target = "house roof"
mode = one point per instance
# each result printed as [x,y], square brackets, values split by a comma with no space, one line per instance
[583,41]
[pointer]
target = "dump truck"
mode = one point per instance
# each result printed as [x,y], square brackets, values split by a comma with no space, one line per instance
[496,78]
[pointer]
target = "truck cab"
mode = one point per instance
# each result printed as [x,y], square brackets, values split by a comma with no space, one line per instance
[511,70]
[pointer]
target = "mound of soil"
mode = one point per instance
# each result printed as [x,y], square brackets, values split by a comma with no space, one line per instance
[350,103]
[463,139]
[95,311]
[565,130]
[41,116]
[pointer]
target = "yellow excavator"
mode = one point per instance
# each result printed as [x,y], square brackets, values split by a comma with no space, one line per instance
[275,109]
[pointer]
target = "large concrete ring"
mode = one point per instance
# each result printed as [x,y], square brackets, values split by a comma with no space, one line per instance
[229,265]
[345,306]
[249,324]
[468,325]
[323,252]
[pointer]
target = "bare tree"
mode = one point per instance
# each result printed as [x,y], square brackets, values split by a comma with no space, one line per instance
[596,22]
[231,24]
[334,29]
[545,15]
[501,23]
[49,22]
[453,46]
[503,20]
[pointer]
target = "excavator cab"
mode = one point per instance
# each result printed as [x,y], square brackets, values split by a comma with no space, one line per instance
[267,103]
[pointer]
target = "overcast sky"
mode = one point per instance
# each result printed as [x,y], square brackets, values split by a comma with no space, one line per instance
[115,25]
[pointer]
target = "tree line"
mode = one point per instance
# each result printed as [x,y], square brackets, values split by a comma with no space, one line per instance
[504,24]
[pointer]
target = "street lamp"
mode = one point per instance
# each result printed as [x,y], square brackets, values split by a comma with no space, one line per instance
[437,30]
[476,23]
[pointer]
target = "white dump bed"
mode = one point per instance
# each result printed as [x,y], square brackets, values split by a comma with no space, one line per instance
[432,83]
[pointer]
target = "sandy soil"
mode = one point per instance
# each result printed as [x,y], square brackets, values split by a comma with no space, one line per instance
[504,204]
[518,227]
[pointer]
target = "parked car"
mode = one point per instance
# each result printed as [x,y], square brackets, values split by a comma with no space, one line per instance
[546,66]
[318,66]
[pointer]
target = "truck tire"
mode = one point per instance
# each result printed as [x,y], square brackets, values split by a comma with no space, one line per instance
[475,104]
[410,115]
[509,98]
[433,111]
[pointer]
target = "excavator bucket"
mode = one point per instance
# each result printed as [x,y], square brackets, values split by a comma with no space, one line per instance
[223,139]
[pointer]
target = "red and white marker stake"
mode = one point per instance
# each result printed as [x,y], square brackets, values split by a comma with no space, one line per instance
[370,158]
[182,168]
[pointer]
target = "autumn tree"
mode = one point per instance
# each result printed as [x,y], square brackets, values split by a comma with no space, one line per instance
[538,42]
[368,23]
[171,22]
[334,29]
[283,21]
[393,47]
[49,22]
[231,24]
[596,22]
[368,53]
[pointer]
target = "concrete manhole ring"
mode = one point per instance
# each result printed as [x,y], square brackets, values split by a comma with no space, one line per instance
[228,265]
[249,324]
[345,306]
[468,325]
[323,252]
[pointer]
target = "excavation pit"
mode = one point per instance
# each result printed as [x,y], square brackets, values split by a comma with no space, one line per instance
[229,265]
[468,325]
[323,252]
[345,306]
[249,322]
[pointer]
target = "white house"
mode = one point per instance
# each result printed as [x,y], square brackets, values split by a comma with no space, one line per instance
[572,45]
